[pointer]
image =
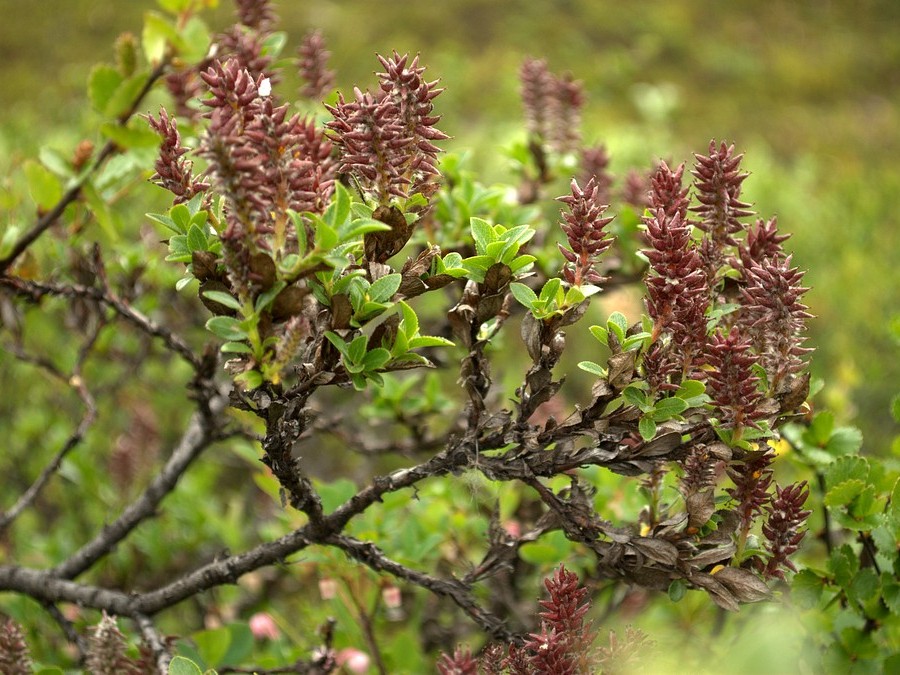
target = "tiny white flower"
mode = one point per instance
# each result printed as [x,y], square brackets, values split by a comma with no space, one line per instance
[265,88]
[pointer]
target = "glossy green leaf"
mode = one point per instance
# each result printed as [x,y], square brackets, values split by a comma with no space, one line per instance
[593,368]
[182,666]
[383,289]
[677,590]
[223,299]
[236,348]
[196,239]
[647,427]
[421,341]
[226,328]
[523,294]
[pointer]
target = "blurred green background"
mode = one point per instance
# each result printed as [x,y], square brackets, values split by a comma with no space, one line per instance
[808,89]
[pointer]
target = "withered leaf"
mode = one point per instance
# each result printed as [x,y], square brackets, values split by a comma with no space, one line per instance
[438,281]
[656,549]
[661,445]
[411,286]
[496,278]
[620,369]
[381,245]
[718,593]
[710,556]
[700,507]
[385,333]
[796,394]
[203,264]
[531,336]
[745,585]
[289,302]
[262,270]
[341,311]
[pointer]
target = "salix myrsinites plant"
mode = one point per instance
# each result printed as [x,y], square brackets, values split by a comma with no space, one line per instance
[391,334]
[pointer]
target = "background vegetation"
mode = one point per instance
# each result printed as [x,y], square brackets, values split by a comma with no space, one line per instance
[810,90]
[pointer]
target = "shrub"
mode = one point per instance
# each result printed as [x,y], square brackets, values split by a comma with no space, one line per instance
[349,275]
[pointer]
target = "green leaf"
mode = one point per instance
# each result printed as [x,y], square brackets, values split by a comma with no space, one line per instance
[356,350]
[274,43]
[212,644]
[894,508]
[182,666]
[130,136]
[806,588]
[102,84]
[550,290]
[167,222]
[226,328]
[126,94]
[384,288]
[635,397]
[326,236]
[844,441]
[593,368]
[375,359]
[335,492]
[43,186]
[236,348]
[647,427]
[693,392]
[223,299]
[56,161]
[821,427]
[410,321]
[338,342]
[601,334]
[251,379]
[864,587]
[677,589]
[890,593]
[846,468]
[429,341]
[844,493]
[482,233]
[196,239]
[523,294]
[193,40]
[843,565]
[263,300]
[618,320]
[668,408]
[157,33]
[521,264]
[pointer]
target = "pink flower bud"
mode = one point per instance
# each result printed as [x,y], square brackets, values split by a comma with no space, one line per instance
[392,597]
[354,660]
[327,588]
[263,626]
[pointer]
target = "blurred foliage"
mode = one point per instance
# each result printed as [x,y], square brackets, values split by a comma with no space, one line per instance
[810,90]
